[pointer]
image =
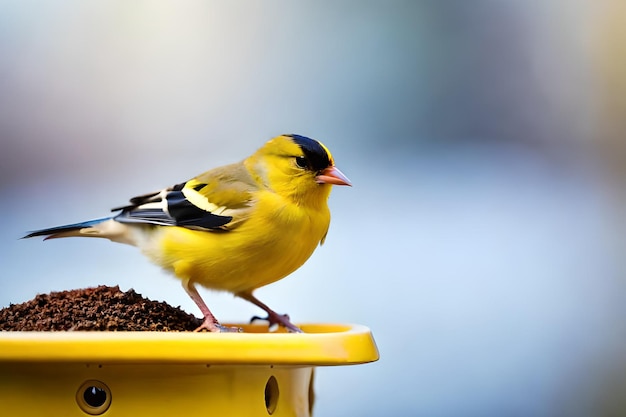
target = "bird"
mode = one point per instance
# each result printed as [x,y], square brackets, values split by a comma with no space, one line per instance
[234,228]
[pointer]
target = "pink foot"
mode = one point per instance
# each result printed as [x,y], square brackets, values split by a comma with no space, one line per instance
[280,319]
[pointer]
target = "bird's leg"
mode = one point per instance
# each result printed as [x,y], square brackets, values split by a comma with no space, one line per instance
[272,316]
[209,323]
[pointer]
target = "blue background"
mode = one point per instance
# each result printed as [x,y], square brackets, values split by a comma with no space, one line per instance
[482,241]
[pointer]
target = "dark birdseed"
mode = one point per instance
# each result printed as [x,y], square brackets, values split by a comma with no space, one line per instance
[101,309]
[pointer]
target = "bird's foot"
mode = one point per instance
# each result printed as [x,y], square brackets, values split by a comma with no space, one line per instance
[278,319]
[214,327]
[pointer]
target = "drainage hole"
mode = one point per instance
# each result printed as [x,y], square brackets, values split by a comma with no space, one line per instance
[271,395]
[93,397]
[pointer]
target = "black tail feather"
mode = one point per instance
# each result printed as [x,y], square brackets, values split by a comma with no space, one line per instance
[66,228]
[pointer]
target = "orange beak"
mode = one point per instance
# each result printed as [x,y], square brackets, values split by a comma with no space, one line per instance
[332,175]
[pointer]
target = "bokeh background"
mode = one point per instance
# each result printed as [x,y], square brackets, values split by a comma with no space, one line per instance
[482,242]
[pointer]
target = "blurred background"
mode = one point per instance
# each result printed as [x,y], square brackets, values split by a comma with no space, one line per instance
[482,242]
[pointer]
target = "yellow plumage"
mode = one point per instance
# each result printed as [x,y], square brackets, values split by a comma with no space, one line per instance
[234,228]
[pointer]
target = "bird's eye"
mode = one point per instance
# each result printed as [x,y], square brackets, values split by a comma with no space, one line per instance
[301,162]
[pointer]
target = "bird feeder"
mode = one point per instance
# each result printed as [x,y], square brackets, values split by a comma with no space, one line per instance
[254,373]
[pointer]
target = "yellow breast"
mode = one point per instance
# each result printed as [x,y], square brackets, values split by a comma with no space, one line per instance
[276,240]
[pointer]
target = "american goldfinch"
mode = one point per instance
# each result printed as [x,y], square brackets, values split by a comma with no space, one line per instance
[234,228]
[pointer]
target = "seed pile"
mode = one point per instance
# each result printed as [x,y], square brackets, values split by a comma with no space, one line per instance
[97,309]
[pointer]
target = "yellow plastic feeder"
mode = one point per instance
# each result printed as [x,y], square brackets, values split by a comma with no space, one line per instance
[255,373]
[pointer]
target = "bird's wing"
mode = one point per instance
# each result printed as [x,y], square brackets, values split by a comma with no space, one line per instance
[219,199]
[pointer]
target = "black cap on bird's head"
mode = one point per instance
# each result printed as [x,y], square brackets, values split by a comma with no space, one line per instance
[316,154]
[320,160]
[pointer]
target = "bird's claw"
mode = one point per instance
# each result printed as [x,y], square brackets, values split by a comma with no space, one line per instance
[278,319]
[214,327]
[271,320]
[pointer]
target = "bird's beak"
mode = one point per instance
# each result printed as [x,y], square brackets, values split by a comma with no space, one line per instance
[332,175]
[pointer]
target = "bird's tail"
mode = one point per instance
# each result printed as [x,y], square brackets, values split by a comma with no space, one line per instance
[77,229]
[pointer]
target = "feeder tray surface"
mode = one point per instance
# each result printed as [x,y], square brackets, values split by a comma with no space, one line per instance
[108,308]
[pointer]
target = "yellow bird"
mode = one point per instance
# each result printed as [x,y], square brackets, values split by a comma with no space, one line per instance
[234,228]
